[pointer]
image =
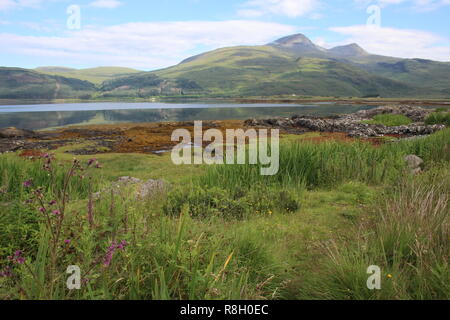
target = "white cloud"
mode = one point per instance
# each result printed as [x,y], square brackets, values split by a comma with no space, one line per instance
[18,4]
[422,5]
[144,45]
[404,43]
[288,8]
[108,4]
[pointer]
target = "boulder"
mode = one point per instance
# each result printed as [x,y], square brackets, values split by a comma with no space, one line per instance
[151,188]
[13,132]
[143,189]
[414,163]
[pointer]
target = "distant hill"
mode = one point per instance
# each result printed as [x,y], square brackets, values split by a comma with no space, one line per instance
[16,83]
[94,75]
[295,65]
[292,65]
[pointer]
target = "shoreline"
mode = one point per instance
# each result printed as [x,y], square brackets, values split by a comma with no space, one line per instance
[248,100]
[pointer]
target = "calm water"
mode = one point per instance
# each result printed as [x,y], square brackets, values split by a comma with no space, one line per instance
[43,116]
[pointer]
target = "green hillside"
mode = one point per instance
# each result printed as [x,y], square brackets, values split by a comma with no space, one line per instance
[16,83]
[292,65]
[260,71]
[416,72]
[94,75]
[148,84]
[268,71]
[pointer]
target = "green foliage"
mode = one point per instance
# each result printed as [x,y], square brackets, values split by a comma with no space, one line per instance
[408,241]
[204,203]
[332,163]
[438,118]
[390,120]
[15,171]
[238,204]
[226,236]
[19,228]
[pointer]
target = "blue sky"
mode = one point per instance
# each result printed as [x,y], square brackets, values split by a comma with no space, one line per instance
[154,34]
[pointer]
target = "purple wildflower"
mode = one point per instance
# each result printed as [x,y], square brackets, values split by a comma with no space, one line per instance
[52,203]
[56,212]
[28,183]
[67,241]
[111,250]
[91,161]
[17,257]
[42,210]
[6,273]
[122,245]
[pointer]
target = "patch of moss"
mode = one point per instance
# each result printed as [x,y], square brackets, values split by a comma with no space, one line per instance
[390,120]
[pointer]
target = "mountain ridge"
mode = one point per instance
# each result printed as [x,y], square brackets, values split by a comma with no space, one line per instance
[291,65]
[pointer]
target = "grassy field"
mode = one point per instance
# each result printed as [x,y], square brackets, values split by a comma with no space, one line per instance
[224,232]
[94,75]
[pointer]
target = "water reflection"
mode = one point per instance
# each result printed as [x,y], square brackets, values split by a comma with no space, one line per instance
[29,119]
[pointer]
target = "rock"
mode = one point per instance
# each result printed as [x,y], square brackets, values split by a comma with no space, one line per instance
[414,164]
[13,132]
[151,188]
[416,114]
[129,180]
[143,189]
[352,124]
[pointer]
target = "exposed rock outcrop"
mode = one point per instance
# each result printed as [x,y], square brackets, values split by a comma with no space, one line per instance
[16,133]
[142,190]
[353,125]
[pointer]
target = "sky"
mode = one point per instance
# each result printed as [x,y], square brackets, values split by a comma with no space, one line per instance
[153,34]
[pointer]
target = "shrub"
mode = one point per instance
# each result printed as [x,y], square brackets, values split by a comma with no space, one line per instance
[218,202]
[204,203]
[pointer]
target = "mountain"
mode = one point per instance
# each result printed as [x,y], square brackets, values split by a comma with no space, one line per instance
[348,52]
[292,65]
[94,75]
[299,45]
[16,83]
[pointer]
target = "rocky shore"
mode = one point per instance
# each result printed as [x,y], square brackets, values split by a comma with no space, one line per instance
[156,137]
[353,124]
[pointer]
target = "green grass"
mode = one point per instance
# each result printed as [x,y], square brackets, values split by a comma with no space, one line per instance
[355,206]
[94,75]
[406,235]
[438,118]
[390,120]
